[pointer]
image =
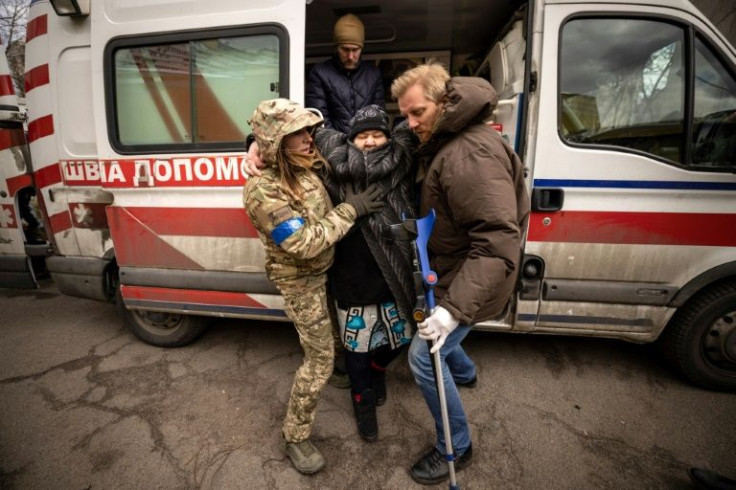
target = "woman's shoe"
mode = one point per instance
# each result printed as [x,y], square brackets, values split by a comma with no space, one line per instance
[378,383]
[364,405]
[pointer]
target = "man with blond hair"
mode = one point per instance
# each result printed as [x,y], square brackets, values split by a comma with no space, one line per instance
[343,84]
[475,183]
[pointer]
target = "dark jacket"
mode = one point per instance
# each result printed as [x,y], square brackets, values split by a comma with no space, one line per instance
[370,267]
[475,183]
[339,93]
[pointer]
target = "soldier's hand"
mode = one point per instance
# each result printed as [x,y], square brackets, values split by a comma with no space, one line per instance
[367,202]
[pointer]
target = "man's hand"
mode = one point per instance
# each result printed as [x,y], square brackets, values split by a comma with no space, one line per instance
[437,327]
[253,162]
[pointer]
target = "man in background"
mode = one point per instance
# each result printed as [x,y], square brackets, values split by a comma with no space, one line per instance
[341,85]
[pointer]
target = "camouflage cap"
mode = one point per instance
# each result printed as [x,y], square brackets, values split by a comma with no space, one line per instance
[275,118]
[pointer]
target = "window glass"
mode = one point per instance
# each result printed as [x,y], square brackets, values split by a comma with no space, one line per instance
[622,84]
[714,124]
[153,94]
[201,91]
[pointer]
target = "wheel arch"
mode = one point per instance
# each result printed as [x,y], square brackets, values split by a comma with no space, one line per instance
[702,281]
[112,278]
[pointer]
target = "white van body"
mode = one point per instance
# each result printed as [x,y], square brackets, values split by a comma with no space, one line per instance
[622,111]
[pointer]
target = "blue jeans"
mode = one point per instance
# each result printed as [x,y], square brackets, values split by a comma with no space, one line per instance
[456,366]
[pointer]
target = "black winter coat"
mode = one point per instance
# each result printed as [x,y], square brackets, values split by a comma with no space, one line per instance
[339,93]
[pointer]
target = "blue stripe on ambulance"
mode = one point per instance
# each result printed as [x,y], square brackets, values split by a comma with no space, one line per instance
[637,184]
[208,308]
[597,320]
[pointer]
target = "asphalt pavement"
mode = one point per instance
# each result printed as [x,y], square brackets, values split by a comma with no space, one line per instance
[85,405]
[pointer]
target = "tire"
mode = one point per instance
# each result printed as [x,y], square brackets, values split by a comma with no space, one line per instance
[162,329]
[700,341]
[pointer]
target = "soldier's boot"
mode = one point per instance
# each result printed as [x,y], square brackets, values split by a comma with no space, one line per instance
[364,405]
[305,457]
[339,378]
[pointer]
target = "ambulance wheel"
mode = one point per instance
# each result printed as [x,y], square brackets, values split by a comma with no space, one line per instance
[161,328]
[700,341]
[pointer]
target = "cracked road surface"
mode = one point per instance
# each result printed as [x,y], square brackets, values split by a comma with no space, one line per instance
[86,405]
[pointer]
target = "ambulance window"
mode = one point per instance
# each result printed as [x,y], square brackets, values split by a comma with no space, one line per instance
[622,84]
[193,94]
[714,121]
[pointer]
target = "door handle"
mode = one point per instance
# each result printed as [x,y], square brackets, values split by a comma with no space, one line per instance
[545,199]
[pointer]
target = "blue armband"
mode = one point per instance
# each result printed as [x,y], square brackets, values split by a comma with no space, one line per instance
[286,229]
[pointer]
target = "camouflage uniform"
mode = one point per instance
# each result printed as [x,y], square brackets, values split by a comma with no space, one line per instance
[299,237]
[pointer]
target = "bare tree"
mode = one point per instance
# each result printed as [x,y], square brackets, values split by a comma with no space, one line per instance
[13,20]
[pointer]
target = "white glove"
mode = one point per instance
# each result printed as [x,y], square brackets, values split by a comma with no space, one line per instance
[437,327]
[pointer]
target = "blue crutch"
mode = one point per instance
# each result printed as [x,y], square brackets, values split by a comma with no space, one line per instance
[418,231]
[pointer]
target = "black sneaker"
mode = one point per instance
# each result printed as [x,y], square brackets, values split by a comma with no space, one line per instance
[710,480]
[467,384]
[433,468]
[364,405]
[378,382]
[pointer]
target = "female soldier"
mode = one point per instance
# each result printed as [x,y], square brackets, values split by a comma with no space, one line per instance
[293,214]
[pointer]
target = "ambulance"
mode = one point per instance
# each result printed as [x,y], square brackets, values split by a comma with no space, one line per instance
[624,114]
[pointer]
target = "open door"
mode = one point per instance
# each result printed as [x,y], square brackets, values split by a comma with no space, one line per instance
[22,239]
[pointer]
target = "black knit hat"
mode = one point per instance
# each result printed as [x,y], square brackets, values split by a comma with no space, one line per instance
[369,117]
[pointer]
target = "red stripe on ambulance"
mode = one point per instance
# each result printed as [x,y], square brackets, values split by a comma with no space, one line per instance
[36,27]
[60,222]
[43,126]
[137,244]
[717,230]
[37,77]
[11,137]
[188,296]
[200,222]
[6,85]
[19,182]
[47,176]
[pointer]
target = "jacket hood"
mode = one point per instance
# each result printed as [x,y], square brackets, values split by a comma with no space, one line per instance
[469,100]
[275,118]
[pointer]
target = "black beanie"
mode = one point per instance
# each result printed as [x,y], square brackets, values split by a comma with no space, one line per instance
[369,117]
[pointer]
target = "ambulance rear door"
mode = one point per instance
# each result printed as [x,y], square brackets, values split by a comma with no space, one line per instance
[20,228]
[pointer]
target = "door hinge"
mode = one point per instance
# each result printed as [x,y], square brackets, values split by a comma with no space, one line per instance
[533,81]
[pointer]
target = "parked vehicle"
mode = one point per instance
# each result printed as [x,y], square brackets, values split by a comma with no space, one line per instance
[624,113]
[23,243]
